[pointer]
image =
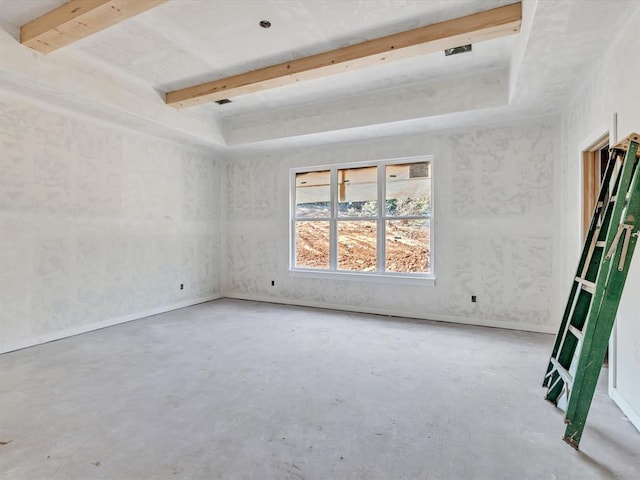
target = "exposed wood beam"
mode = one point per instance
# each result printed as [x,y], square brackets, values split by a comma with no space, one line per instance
[77,19]
[474,28]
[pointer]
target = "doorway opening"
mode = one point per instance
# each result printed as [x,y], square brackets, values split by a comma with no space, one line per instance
[594,164]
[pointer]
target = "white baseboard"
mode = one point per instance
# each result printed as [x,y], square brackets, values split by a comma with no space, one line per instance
[69,332]
[625,406]
[398,313]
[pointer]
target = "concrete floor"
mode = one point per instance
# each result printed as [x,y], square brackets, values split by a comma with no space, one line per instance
[244,390]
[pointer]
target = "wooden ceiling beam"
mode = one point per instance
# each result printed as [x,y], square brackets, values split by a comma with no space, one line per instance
[473,28]
[77,19]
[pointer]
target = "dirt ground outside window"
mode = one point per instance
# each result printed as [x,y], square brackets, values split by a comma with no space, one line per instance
[407,246]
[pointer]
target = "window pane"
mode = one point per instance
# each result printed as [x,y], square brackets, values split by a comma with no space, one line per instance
[408,189]
[407,246]
[312,244]
[357,245]
[313,194]
[357,192]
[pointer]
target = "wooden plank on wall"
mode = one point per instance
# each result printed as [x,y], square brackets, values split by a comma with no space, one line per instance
[473,28]
[592,168]
[78,19]
[590,188]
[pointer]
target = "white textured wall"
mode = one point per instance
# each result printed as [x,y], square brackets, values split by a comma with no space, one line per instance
[611,86]
[98,225]
[75,81]
[417,101]
[496,201]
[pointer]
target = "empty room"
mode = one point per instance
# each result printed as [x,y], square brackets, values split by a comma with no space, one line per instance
[319,239]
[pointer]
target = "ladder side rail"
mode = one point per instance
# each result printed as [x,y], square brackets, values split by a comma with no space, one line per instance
[593,272]
[588,303]
[591,237]
[579,300]
[591,359]
[607,214]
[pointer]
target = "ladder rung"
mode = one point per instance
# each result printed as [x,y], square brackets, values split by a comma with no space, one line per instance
[576,333]
[587,285]
[564,373]
[601,243]
[612,199]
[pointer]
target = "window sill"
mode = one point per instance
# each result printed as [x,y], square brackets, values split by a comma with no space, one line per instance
[423,281]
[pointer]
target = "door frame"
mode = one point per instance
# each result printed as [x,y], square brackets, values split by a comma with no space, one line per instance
[591,178]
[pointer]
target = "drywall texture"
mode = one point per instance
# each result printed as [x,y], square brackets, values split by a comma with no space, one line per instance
[613,90]
[495,231]
[97,224]
[74,81]
[462,94]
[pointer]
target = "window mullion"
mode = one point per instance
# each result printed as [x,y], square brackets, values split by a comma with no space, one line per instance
[381,247]
[333,228]
[292,220]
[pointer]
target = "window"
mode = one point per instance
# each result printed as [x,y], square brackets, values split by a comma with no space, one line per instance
[367,218]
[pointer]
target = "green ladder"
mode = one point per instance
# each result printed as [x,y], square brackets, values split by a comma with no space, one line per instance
[581,343]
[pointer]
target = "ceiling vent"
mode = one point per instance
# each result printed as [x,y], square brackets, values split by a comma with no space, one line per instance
[457,50]
[223,101]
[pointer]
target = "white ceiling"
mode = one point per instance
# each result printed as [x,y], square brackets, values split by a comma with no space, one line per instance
[184,42]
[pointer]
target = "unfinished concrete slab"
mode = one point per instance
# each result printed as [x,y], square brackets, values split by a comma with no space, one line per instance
[244,390]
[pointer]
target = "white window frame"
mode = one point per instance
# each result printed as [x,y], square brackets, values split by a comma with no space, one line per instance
[380,275]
